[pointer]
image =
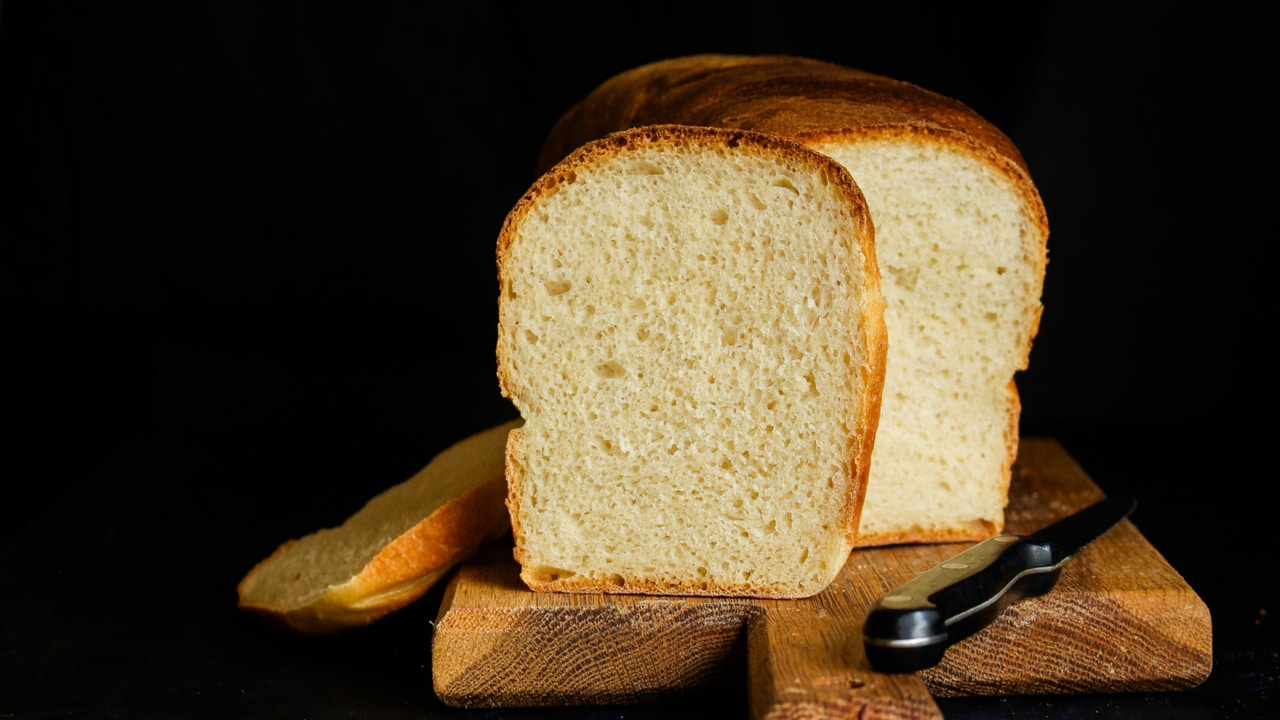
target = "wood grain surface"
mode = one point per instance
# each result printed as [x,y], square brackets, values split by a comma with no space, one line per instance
[1120,619]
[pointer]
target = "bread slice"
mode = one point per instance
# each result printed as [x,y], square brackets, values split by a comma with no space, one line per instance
[691,326]
[393,549]
[961,237]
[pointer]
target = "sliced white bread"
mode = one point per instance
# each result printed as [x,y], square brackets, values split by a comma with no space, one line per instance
[691,326]
[390,552]
[961,238]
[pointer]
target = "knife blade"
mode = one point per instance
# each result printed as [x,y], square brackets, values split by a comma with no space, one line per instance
[910,627]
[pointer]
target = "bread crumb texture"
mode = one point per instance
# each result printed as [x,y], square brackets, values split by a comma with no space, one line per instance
[683,328]
[961,255]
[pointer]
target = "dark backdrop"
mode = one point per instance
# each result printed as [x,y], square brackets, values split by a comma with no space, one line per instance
[283,214]
[271,225]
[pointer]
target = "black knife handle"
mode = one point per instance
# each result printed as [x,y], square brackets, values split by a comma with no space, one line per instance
[909,628]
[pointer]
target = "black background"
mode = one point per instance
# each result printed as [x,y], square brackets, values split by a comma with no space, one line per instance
[247,281]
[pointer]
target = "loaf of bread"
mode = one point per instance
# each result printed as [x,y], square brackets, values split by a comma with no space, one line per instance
[393,549]
[961,237]
[691,326]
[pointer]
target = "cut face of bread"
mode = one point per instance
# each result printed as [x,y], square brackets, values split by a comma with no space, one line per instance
[690,323]
[961,238]
[962,260]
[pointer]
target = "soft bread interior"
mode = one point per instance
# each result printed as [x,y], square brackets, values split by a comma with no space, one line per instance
[961,258]
[685,331]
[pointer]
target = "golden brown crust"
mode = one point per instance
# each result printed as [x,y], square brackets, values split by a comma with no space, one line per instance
[402,571]
[581,584]
[445,537]
[792,96]
[877,349]
[515,482]
[966,533]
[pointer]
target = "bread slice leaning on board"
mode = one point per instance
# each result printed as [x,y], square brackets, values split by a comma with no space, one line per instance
[960,233]
[691,326]
[391,551]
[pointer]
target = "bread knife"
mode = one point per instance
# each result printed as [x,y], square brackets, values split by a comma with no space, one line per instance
[911,626]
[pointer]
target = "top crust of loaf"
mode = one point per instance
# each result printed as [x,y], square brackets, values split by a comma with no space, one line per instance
[613,430]
[799,98]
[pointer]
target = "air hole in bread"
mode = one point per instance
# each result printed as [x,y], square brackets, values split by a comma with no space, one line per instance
[647,168]
[786,184]
[812,392]
[904,278]
[552,574]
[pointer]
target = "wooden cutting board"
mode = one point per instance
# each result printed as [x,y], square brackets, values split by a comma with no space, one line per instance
[1120,619]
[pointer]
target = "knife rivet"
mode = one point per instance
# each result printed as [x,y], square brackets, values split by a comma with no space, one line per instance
[955,565]
[895,600]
